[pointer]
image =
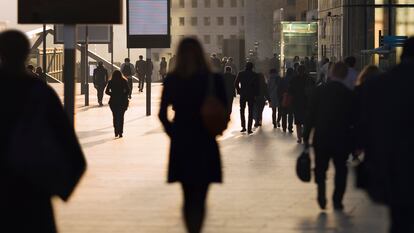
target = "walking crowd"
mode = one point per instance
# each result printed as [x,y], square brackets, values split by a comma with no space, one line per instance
[341,113]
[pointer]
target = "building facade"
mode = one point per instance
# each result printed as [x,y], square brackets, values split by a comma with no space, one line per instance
[353,28]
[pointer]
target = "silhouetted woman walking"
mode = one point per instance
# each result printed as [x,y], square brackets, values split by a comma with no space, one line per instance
[194,153]
[118,89]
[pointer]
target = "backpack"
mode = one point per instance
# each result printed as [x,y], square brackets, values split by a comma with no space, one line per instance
[126,70]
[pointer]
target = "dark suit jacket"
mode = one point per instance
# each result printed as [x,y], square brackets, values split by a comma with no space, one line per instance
[247,84]
[387,126]
[25,165]
[330,114]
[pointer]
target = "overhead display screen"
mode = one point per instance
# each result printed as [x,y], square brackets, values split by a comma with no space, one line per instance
[69,11]
[148,23]
[148,17]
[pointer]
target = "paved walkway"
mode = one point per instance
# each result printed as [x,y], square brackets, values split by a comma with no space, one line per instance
[124,189]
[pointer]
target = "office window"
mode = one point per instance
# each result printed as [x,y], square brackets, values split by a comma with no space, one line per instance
[182,4]
[220,3]
[182,21]
[220,21]
[194,3]
[194,21]
[233,3]
[207,39]
[242,20]
[207,21]
[207,3]
[242,3]
[233,21]
[220,39]
[233,37]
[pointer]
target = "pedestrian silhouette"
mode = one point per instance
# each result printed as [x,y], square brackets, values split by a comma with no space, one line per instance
[140,67]
[273,89]
[387,140]
[299,90]
[229,80]
[40,153]
[247,86]
[100,79]
[118,90]
[285,113]
[127,70]
[40,74]
[194,153]
[163,68]
[260,100]
[330,116]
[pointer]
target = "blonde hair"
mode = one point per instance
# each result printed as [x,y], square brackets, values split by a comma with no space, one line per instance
[367,72]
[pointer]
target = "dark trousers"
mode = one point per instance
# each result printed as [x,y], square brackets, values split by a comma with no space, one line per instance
[250,104]
[258,111]
[118,114]
[322,158]
[286,117]
[141,78]
[131,86]
[100,90]
[194,208]
[230,105]
[401,219]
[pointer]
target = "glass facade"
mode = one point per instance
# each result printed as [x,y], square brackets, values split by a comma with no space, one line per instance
[299,39]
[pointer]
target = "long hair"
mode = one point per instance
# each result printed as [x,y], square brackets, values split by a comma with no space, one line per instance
[366,73]
[190,59]
[117,77]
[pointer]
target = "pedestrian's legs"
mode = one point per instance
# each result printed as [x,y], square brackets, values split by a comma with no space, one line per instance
[299,132]
[341,174]
[131,86]
[230,105]
[274,120]
[121,121]
[242,112]
[290,122]
[100,91]
[321,167]
[260,109]
[194,206]
[141,82]
[279,116]
[250,104]
[115,119]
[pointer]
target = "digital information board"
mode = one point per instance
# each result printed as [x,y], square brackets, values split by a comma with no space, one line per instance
[148,24]
[69,11]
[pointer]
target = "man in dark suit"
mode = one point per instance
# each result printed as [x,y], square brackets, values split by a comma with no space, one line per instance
[330,116]
[247,87]
[387,140]
[100,79]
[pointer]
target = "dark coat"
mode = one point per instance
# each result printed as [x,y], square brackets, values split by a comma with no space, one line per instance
[247,84]
[25,200]
[229,80]
[273,87]
[119,93]
[194,153]
[100,77]
[263,93]
[387,116]
[297,89]
[331,115]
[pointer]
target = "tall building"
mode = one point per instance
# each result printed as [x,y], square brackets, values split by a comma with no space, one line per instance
[353,28]
[213,21]
[297,12]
